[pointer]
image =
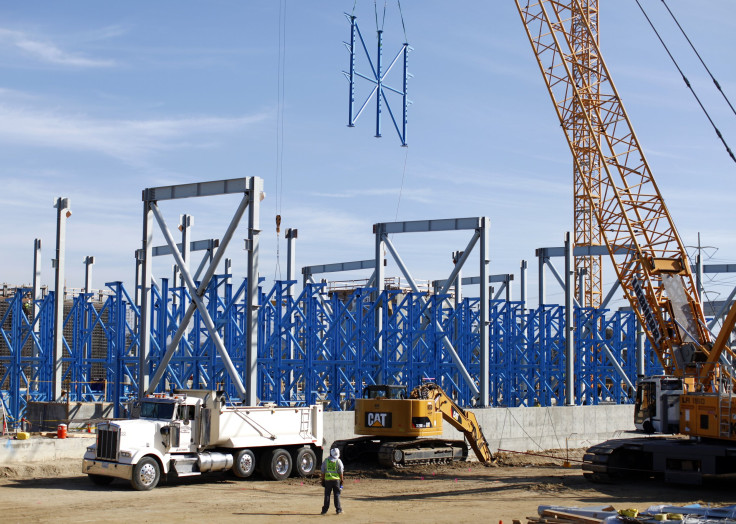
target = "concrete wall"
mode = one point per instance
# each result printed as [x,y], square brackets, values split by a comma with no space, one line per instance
[513,429]
[524,429]
[42,449]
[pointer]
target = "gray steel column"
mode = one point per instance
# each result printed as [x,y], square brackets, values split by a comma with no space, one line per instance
[144,334]
[522,284]
[581,284]
[88,263]
[484,378]
[36,307]
[569,323]
[291,236]
[36,281]
[228,269]
[640,355]
[255,192]
[542,259]
[62,213]
[380,283]
[458,286]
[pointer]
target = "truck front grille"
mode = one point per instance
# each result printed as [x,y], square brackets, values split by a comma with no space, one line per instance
[107,442]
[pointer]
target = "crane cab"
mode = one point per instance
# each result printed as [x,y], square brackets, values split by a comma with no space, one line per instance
[657,408]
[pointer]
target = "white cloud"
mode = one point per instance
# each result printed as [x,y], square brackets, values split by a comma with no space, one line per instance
[128,140]
[49,52]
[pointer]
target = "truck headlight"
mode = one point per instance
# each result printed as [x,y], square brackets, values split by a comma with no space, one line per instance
[91,449]
[126,454]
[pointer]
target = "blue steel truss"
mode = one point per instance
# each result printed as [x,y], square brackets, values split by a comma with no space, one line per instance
[377,78]
[313,346]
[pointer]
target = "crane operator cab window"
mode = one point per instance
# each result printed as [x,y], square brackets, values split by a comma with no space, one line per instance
[389,392]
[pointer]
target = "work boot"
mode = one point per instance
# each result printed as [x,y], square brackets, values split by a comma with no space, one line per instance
[324,512]
[338,511]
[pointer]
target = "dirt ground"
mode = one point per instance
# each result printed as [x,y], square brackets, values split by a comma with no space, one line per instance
[464,492]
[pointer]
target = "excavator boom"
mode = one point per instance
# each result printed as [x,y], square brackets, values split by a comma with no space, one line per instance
[464,421]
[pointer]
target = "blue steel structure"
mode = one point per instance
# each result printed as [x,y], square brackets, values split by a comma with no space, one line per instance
[314,345]
[377,78]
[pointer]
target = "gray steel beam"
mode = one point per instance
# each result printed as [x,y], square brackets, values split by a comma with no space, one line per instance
[423,226]
[199,189]
[339,266]
[62,213]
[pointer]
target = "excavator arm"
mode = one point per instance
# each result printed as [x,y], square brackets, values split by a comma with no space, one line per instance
[460,419]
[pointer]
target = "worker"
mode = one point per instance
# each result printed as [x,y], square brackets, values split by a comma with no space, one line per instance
[332,479]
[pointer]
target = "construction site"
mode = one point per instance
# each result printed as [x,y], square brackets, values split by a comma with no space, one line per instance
[434,317]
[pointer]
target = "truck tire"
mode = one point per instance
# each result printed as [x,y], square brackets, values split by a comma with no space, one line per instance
[305,462]
[276,464]
[101,480]
[146,474]
[244,463]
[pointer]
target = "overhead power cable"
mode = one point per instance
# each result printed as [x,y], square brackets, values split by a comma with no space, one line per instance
[687,82]
[718,86]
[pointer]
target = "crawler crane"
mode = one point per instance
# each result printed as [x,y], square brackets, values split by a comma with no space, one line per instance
[618,199]
[396,428]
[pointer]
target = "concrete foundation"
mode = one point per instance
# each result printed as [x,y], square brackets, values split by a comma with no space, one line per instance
[43,449]
[512,429]
[525,429]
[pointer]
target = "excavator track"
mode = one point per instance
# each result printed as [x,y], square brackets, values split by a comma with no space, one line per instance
[398,454]
[401,453]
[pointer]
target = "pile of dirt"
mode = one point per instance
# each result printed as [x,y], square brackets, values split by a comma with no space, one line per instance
[550,457]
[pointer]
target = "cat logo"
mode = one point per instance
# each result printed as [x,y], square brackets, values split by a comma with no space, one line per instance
[377,420]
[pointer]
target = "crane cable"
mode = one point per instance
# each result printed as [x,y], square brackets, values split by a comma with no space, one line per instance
[280,132]
[687,82]
[718,86]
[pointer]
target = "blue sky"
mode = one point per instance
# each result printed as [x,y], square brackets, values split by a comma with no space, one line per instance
[100,100]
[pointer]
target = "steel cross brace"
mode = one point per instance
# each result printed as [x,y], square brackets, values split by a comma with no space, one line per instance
[445,339]
[248,186]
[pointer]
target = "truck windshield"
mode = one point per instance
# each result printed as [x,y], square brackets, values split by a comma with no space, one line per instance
[157,410]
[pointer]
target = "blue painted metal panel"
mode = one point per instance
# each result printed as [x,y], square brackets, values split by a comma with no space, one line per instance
[313,346]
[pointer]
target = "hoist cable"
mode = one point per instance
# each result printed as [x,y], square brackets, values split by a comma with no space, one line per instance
[280,90]
[687,82]
[401,189]
[406,38]
[718,86]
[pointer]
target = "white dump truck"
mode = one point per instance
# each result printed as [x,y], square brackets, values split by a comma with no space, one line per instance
[193,432]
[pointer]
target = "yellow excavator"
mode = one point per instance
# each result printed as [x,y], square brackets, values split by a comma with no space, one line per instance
[401,430]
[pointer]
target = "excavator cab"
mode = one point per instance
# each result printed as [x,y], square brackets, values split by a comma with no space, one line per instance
[383,391]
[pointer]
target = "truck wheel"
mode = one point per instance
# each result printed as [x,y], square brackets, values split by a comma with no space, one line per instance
[277,464]
[244,463]
[101,480]
[305,462]
[146,474]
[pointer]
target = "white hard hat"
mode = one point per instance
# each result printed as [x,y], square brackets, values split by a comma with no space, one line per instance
[335,453]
